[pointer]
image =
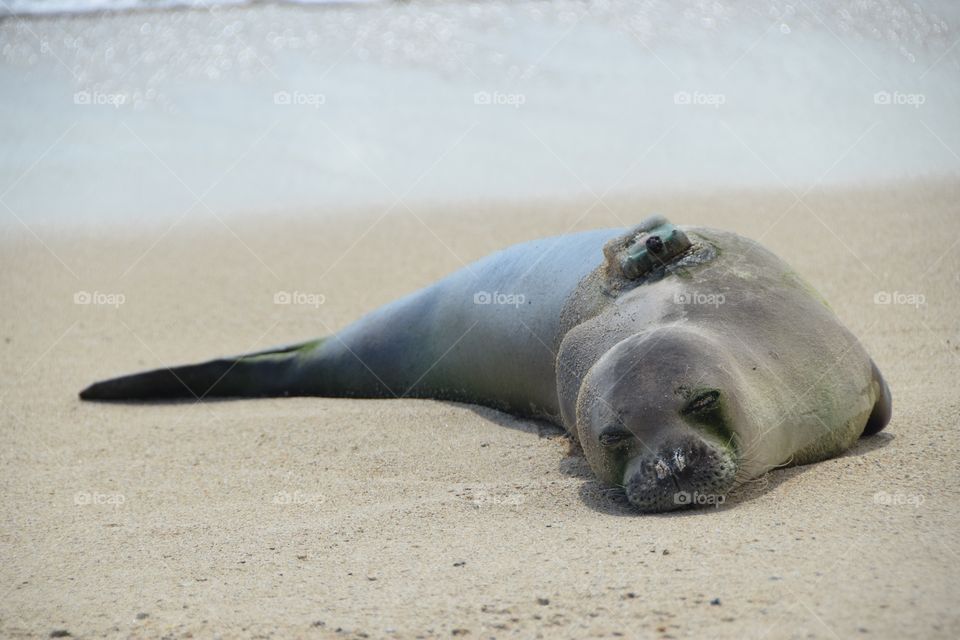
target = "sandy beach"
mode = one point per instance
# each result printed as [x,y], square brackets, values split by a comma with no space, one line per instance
[168,178]
[409,518]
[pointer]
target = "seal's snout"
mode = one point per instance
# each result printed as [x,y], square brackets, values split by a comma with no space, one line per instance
[680,474]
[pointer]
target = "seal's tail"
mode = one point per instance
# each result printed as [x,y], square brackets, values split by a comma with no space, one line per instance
[265,373]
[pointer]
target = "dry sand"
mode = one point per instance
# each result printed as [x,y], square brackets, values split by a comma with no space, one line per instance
[334,518]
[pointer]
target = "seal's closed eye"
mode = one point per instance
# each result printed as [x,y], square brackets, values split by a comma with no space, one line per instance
[613,436]
[702,403]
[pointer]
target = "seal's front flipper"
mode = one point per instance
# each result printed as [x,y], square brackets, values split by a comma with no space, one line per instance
[264,374]
[882,408]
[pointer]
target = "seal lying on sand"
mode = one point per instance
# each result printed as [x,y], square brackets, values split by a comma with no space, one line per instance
[684,360]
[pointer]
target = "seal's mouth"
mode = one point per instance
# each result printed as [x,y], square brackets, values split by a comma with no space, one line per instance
[691,472]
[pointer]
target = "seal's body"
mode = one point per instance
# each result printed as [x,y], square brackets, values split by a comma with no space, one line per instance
[684,360]
[487,334]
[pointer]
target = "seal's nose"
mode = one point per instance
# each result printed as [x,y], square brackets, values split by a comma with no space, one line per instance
[680,473]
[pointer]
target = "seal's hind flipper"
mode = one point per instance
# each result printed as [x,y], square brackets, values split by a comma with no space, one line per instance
[265,373]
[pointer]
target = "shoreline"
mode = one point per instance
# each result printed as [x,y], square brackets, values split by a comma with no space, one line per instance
[670,202]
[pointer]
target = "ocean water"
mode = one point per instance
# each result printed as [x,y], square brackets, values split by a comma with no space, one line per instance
[137,115]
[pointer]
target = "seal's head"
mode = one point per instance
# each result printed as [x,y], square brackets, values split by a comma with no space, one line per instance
[662,414]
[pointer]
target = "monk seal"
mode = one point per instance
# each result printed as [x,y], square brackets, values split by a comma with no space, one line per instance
[684,360]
